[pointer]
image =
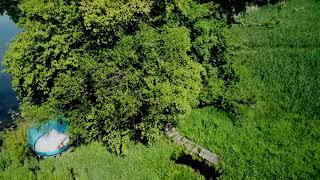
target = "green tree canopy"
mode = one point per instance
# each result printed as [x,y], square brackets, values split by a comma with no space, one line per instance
[119,69]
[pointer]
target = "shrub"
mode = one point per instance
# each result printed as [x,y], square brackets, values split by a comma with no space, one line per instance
[15,143]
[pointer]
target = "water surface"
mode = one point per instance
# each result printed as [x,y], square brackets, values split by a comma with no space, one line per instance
[8,101]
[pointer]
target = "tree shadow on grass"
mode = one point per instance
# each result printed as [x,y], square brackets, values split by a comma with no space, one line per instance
[234,7]
[199,166]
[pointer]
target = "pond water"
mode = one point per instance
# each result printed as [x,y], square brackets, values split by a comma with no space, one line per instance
[8,100]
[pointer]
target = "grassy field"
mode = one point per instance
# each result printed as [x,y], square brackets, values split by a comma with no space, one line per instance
[94,162]
[278,137]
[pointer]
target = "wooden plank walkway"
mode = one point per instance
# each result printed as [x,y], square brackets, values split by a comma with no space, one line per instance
[194,148]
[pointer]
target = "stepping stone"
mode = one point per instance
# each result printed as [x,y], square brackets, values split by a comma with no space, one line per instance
[191,146]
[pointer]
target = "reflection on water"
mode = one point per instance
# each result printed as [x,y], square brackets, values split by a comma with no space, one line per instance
[8,100]
[10,7]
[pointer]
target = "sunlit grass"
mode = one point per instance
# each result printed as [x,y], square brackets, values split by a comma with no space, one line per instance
[94,162]
[279,136]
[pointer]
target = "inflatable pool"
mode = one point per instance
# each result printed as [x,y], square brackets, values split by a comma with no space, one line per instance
[50,138]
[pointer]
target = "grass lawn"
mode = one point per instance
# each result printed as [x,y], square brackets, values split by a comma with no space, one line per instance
[278,137]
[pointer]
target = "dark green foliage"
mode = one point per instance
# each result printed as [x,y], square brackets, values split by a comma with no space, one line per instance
[119,69]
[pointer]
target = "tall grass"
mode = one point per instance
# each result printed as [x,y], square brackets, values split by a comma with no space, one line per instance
[278,137]
[264,147]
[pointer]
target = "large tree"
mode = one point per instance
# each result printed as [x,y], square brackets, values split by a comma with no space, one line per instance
[119,69]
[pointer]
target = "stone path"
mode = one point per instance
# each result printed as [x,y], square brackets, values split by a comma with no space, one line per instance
[194,148]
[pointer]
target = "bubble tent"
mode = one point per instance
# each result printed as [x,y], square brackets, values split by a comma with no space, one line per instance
[50,138]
